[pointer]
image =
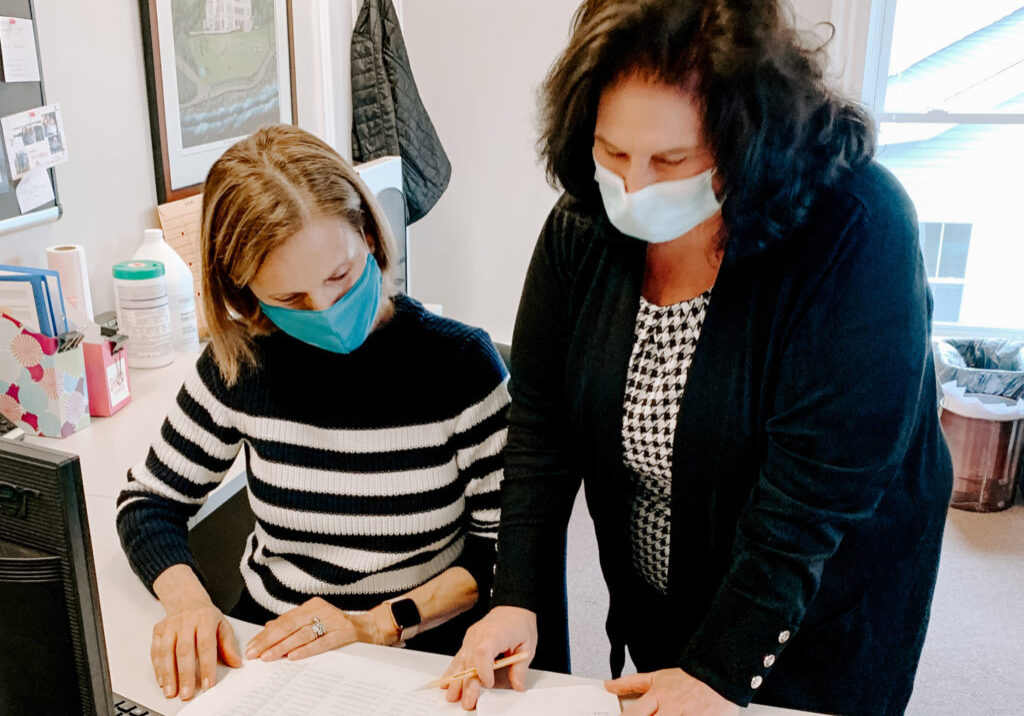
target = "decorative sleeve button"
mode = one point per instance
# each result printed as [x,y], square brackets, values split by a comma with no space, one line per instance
[769,660]
[783,636]
[756,682]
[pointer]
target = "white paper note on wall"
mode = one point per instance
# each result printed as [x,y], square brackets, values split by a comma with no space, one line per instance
[34,190]
[18,50]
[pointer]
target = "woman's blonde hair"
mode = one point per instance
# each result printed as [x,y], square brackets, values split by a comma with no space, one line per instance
[257,195]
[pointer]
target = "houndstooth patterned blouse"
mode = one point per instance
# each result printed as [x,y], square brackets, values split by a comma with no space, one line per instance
[665,339]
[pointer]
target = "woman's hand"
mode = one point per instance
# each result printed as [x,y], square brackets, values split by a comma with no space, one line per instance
[504,631]
[190,636]
[671,692]
[293,634]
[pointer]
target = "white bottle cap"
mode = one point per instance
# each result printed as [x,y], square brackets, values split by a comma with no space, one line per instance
[153,236]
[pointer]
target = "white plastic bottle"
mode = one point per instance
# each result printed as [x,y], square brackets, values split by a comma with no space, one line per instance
[180,289]
[143,313]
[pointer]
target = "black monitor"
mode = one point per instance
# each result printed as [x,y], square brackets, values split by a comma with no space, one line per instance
[53,657]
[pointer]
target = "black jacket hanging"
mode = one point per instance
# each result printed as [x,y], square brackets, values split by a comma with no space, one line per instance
[388,117]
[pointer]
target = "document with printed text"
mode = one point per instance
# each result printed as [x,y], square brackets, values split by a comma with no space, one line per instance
[336,684]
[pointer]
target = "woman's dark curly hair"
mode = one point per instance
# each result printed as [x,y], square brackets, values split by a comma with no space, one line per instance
[777,133]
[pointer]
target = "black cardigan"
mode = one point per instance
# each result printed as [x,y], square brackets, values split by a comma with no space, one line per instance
[810,475]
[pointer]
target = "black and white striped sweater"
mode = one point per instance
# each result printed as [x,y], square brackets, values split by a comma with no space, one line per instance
[369,473]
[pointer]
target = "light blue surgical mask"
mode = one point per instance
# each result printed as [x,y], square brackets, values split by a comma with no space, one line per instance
[659,212]
[345,325]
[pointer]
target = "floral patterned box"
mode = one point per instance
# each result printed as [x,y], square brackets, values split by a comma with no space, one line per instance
[44,392]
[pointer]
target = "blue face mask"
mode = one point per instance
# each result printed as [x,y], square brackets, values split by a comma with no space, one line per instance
[345,325]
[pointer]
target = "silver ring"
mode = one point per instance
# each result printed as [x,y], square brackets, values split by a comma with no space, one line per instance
[318,628]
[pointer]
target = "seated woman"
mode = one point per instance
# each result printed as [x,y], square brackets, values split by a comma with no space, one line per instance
[372,430]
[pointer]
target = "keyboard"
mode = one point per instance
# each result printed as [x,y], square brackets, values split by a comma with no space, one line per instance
[125,707]
[9,430]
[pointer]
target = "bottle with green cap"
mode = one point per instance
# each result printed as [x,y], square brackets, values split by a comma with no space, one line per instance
[143,312]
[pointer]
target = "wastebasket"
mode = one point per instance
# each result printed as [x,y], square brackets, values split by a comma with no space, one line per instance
[982,387]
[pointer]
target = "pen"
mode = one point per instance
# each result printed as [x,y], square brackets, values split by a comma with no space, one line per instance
[499,664]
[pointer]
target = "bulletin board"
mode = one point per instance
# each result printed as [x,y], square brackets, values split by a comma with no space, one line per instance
[18,97]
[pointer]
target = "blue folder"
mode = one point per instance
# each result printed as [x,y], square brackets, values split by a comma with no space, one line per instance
[52,314]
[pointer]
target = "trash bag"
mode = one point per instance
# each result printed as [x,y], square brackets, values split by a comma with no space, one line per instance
[989,366]
[982,399]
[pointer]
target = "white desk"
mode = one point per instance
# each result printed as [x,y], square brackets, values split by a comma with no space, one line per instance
[107,449]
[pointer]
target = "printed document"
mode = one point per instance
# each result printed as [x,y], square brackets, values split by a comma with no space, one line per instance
[337,684]
[18,50]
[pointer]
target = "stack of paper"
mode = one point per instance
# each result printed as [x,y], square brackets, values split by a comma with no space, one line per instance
[336,684]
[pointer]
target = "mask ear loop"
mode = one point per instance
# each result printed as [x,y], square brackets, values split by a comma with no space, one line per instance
[719,199]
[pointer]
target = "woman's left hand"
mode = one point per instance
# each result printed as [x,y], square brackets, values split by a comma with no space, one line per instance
[293,634]
[670,692]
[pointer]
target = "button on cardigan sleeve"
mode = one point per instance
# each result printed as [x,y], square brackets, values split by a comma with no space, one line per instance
[846,403]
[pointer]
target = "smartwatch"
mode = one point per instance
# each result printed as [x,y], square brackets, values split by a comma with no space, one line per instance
[406,616]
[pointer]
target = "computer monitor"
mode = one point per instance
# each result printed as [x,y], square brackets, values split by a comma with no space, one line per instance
[54,657]
[384,178]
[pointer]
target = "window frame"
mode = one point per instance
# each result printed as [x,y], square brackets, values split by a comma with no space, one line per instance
[881,21]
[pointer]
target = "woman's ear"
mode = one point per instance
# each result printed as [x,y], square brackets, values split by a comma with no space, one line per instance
[371,241]
[246,306]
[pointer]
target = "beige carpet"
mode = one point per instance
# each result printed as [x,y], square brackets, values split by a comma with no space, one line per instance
[973,659]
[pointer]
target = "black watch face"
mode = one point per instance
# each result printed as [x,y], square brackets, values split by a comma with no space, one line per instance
[406,613]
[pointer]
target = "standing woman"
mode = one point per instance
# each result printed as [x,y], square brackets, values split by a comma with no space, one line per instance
[724,334]
[372,430]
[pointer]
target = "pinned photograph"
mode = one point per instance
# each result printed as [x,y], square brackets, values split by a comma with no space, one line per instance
[34,139]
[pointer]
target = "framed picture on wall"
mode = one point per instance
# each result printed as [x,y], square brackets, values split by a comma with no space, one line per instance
[216,70]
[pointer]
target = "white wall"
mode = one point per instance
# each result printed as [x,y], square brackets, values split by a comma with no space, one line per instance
[478,66]
[92,66]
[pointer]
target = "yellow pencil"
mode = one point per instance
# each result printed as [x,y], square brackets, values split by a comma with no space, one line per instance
[499,664]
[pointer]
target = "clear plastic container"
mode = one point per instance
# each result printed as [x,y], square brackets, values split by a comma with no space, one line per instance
[143,313]
[986,455]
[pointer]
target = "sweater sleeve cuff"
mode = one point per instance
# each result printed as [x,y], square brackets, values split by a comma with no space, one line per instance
[736,646]
[151,553]
[477,558]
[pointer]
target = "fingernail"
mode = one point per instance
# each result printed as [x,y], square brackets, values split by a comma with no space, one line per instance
[251,653]
[206,684]
[168,692]
[186,693]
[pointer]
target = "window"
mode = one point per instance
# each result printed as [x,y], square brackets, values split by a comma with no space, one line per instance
[949,95]
[945,248]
